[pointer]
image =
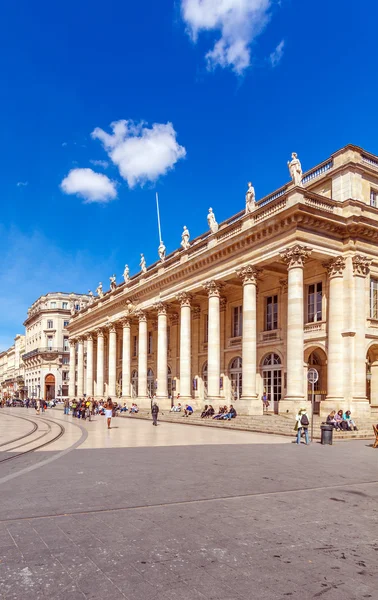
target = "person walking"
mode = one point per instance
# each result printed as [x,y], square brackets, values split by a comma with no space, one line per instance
[109,411]
[154,412]
[301,424]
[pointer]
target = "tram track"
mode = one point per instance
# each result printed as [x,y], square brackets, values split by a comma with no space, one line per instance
[39,446]
[21,437]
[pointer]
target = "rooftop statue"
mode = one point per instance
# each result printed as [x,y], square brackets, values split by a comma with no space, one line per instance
[295,169]
[185,237]
[250,198]
[126,274]
[213,225]
[91,297]
[99,290]
[113,283]
[142,264]
[162,251]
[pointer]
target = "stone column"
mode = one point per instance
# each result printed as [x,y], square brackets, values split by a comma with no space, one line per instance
[162,358]
[213,348]
[89,386]
[295,258]
[185,347]
[196,313]
[142,360]
[72,387]
[335,322]
[126,359]
[361,267]
[249,403]
[112,361]
[80,368]
[100,363]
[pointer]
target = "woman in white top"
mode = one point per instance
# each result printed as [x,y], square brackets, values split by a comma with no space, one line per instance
[109,411]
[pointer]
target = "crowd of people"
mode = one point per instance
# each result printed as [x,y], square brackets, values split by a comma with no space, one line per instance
[341,421]
[224,412]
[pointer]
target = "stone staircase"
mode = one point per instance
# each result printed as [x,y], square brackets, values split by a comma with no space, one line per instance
[274,424]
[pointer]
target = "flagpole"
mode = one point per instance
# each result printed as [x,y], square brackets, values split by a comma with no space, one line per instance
[158,215]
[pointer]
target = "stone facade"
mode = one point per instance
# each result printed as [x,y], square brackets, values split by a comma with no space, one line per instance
[46,356]
[12,370]
[250,306]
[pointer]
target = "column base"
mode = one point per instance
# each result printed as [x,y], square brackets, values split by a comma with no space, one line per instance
[249,405]
[332,403]
[163,402]
[143,402]
[291,405]
[360,408]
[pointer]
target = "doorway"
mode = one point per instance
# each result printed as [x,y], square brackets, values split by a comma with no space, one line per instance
[272,380]
[236,378]
[49,387]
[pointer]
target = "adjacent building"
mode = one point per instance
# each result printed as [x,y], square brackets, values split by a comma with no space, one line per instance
[12,370]
[289,283]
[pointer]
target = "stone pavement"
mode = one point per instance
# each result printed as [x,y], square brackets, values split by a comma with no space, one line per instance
[221,521]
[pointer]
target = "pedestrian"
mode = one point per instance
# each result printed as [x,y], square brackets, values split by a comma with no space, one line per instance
[154,412]
[301,424]
[109,411]
[38,406]
[265,401]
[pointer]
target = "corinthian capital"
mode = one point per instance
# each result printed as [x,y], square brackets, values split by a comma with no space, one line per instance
[335,266]
[72,342]
[213,288]
[248,274]
[89,336]
[295,256]
[184,298]
[111,327]
[161,308]
[140,315]
[126,322]
[361,265]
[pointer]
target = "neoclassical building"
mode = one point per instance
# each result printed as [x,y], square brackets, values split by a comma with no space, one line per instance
[288,283]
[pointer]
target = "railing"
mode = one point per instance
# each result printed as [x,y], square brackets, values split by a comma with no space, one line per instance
[268,336]
[369,160]
[44,350]
[311,327]
[272,197]
[273,208]
[320,204]
[319,171]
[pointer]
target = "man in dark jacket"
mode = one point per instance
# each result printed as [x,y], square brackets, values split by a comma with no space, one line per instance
[154,412]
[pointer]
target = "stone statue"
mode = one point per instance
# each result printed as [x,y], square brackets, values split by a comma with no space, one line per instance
[82,303]
[73,309]
[91,297]
[250,198]
[126,274]
[185,237]
[162,251]
[99,291]
[113,283]
[213,225]
[142,264]
[295,169]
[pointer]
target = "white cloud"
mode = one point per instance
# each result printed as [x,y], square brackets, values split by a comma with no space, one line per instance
[239,23]
[64,144]
[276,56]
[100,163]
[22,183]
[93,187]
[141,154]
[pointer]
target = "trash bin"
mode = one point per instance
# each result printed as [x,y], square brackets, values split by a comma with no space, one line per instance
[326,434]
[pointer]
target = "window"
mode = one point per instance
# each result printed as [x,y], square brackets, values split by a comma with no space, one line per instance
[135,345]
[52,304]
[373,298]
[50,324]
[271,313]
[66,360]
[150,343]
[66,345]
[64,375]
[65,305]
[65,324]
[206,329]
[374,198]
[237,321]
[50,342]
[314,302]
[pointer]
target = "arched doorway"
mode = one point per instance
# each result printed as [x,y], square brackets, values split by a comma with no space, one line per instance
[372,375]
[272,379]
[317,359]
[134,384]
[49,387]
[204,379]
[169,384]
[150,383]
[235,370]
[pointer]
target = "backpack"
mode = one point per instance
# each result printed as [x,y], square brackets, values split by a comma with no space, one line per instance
[304,421]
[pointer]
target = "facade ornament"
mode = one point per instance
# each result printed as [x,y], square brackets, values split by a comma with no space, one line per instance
[250,199]
[111,327]
[213,225]
[161,308]
[99,290]
[284,285]
[249,274]
[72,342]
[295,256]
[113,283]
[82,304]
[361,265]
[100,332]
[335,266]
[295,169]
[223,304]
[213,288]
[72,308]
[126,274]
[184,298]
[91,296]
[89,336]
[174,318]
[140,315]
[185,237]
[162,251]
[196,312]
[126,322]
[142,264]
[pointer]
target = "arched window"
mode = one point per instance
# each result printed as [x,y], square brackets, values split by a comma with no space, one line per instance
[134,383]
[272,379]
[150,383]
[271,360]
[236,378]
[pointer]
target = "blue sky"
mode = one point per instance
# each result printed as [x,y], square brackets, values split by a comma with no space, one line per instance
[207,95]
